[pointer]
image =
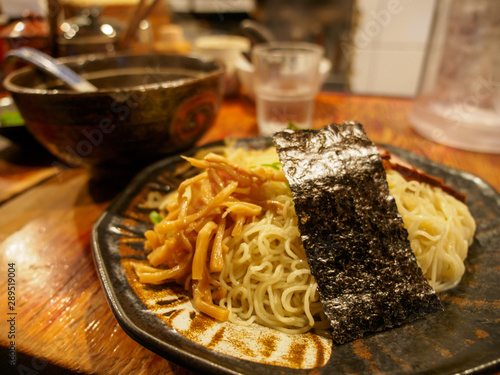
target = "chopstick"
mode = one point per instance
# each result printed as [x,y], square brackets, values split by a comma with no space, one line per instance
[54,9]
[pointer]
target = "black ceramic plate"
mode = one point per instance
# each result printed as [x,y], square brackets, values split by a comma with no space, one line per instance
[465,338]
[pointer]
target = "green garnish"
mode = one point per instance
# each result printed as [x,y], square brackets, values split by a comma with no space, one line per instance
[275,165]
[292,126]
[10,118]
[155,217]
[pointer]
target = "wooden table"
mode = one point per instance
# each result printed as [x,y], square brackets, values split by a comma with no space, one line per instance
[63,322]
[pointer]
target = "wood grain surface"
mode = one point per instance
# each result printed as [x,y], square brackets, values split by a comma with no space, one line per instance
[63,323]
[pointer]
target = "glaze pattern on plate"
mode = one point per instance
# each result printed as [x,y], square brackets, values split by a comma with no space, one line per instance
[465,337]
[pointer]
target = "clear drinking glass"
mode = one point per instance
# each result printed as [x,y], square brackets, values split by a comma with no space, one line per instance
[459,100]
[286,79]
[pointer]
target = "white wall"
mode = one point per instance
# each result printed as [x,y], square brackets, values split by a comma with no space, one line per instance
[389,46]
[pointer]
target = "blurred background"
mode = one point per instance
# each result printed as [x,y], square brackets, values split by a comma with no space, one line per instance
[376,47]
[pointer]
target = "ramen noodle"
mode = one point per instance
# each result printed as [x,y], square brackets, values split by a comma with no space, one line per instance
[229,235]
[440,229]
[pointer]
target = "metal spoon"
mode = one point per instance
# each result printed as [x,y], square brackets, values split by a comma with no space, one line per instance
[256,32]
[53,67]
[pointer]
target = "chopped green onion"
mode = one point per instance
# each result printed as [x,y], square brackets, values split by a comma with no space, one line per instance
[292,126]
[155,217]
[275,165]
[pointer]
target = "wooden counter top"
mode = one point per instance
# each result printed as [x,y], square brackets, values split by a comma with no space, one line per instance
[63,322]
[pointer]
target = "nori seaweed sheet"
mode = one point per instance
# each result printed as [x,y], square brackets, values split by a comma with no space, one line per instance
[357,247]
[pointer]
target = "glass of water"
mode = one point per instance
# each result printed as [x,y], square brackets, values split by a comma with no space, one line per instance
[286,79]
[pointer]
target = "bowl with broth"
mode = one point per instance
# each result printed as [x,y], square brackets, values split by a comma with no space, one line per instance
[146,107]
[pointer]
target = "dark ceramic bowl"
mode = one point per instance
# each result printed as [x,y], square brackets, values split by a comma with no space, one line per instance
[147,106]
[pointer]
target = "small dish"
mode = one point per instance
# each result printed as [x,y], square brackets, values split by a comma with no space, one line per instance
[228,49]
